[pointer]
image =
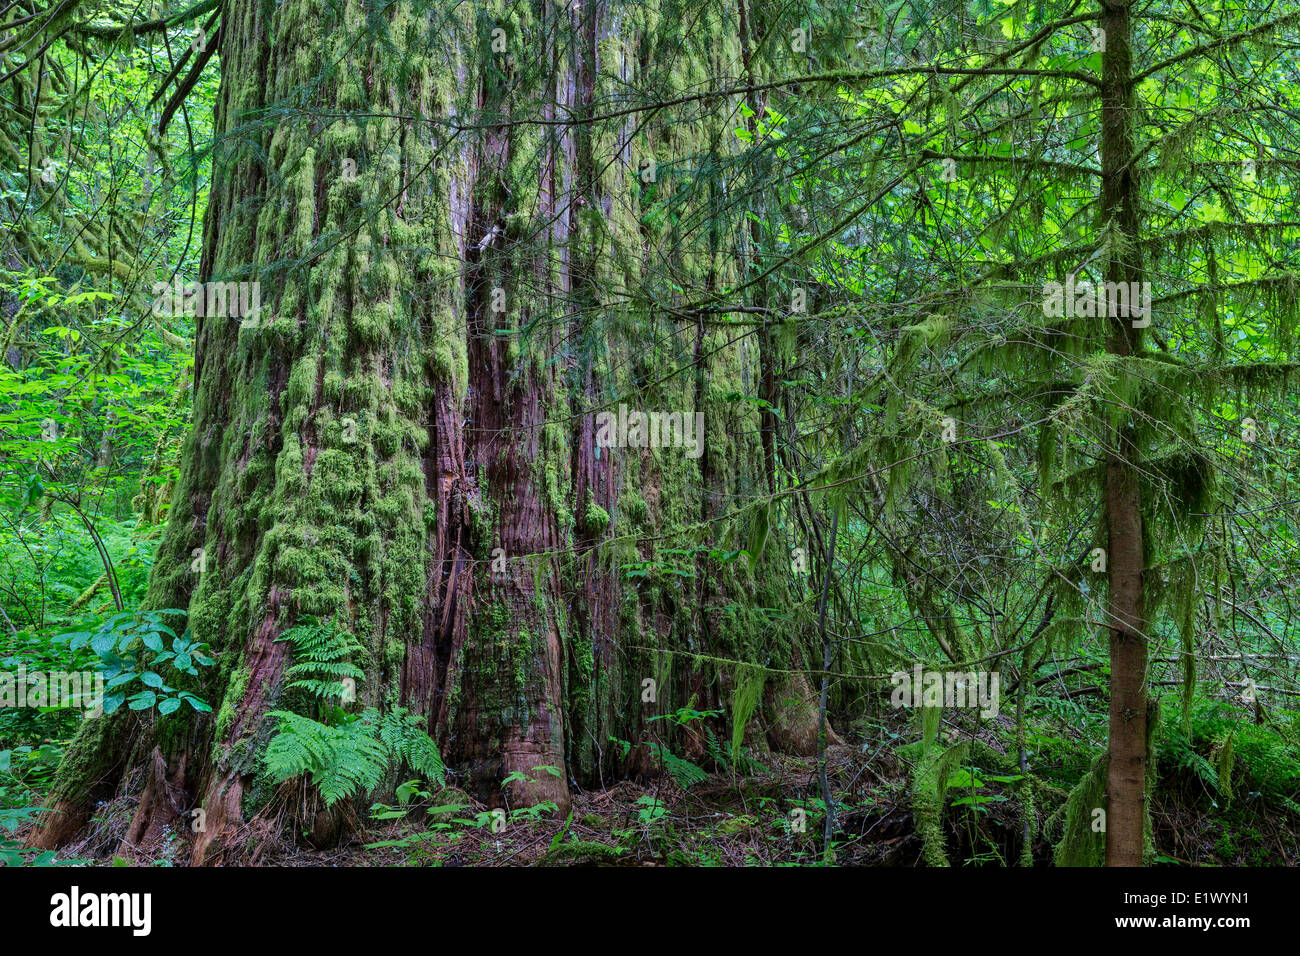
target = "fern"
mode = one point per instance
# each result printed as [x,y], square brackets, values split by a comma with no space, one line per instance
[348,755]
[351,758]
[683,771]
[322,654]
[1266,756]
[583,850]
[407,743]
[341,761]
[715,751]
[743,763]
[1177,751]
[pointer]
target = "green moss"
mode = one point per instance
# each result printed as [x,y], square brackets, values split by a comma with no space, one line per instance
[91,754]
[633,507]
[1081,844]
[595,519]
[234,694]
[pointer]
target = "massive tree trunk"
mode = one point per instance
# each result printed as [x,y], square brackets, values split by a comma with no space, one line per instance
[457,274]
[1126,618]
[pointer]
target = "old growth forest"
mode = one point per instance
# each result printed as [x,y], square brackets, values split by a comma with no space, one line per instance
[683,433]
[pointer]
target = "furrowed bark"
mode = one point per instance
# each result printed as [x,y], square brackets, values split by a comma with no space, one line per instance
[446,288]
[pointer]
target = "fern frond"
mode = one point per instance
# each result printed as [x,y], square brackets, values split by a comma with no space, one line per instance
[342,760]
[322,653]
[409,744]
[683,771]
[347,761]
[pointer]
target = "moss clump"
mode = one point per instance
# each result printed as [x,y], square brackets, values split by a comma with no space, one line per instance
[633,507]
[595,519]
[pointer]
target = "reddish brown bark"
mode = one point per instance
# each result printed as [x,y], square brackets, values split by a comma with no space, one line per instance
[1126,810]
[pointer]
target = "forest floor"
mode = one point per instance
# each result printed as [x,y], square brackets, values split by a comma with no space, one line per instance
[772,814]
[773,817]
[723,821]
[733,823]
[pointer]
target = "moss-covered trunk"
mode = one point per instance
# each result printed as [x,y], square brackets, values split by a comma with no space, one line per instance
[456,279]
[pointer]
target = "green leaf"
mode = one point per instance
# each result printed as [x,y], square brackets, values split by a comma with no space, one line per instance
[758,530]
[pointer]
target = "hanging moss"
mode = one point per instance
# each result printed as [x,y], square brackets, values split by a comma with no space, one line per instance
[1081,844]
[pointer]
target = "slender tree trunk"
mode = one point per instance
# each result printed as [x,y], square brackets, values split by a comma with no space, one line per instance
[1126,811]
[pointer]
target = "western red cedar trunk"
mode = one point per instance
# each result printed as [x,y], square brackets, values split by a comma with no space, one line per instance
[1126,812]
[454,281]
